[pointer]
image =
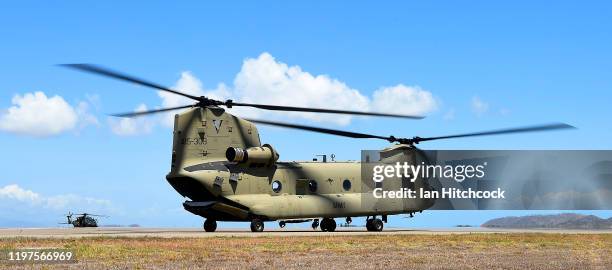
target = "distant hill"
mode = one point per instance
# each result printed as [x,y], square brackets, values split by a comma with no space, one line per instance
[559,221]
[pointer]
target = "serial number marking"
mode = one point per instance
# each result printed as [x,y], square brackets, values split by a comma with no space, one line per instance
[339,205]
[38,255]
[193,141]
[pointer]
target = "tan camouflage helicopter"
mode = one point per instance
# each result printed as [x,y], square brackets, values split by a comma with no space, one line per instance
[220,165]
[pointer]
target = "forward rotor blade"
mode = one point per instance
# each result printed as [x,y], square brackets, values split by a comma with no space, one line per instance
[317,110]
[98,70]
[124,77]
[134,114]
[321,130]
[546,127]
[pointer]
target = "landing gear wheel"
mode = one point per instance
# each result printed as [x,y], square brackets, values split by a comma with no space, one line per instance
[257,225]
[315,224]
[328,225]
[210,225]
[332,226]
[323,225]
[374,225]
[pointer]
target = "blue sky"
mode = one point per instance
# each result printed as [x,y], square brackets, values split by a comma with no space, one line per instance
[484,64]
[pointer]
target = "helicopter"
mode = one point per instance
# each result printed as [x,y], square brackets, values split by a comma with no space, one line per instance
[219,164]
[83,220]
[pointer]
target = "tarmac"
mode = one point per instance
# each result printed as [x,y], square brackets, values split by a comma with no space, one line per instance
[7,233]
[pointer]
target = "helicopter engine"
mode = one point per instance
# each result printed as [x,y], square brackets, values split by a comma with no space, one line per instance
[259,156]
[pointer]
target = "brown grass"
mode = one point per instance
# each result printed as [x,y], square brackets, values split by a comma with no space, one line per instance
[466,251]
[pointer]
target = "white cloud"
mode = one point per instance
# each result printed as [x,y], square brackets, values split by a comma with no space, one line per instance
[404,100]
[35,114]
[265,80]
[479,106]
[132,126]
[57,202]
[268,81]
[85,118]
[17,193]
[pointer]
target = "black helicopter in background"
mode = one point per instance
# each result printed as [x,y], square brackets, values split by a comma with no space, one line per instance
[82,220]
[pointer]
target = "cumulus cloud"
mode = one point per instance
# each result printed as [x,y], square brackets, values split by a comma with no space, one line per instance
[17,193]
[85,118]
[479,107]
[267,80]
[14,192]
[37,115]
[403,99]
[132,126]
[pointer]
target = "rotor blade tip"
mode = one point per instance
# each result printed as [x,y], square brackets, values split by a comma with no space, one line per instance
[568,126]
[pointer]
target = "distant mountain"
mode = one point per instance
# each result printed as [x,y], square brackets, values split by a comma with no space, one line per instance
[559,221]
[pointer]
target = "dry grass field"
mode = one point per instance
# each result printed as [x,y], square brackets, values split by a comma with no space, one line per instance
[463,251]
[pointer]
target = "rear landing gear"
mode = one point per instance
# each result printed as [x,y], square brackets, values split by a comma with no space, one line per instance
[328,225]
[257,225]
[210,225]
[374,225]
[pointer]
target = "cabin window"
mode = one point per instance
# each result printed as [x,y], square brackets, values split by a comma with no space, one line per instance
[276,186]
[346,184]
[312,186]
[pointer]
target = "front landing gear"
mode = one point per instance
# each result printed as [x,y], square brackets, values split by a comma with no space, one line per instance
[257,225]
[328,225]
[210,225]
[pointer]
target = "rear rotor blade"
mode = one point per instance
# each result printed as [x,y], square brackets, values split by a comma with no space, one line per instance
[124,77]
[415,140]
[546,127]
[317,110]
[321,130]
[134,114]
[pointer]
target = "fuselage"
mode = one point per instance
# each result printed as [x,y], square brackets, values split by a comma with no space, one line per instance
[288,190]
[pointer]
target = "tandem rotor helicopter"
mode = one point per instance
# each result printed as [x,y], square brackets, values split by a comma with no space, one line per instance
[219,164]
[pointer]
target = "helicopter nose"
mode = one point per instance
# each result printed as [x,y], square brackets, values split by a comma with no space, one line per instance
[190,187]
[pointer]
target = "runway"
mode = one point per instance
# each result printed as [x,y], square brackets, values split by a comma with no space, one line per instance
[7,233]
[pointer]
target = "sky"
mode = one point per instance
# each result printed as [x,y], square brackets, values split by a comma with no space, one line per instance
[466,66]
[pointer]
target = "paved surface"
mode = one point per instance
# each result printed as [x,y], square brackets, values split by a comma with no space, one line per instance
[195,232]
